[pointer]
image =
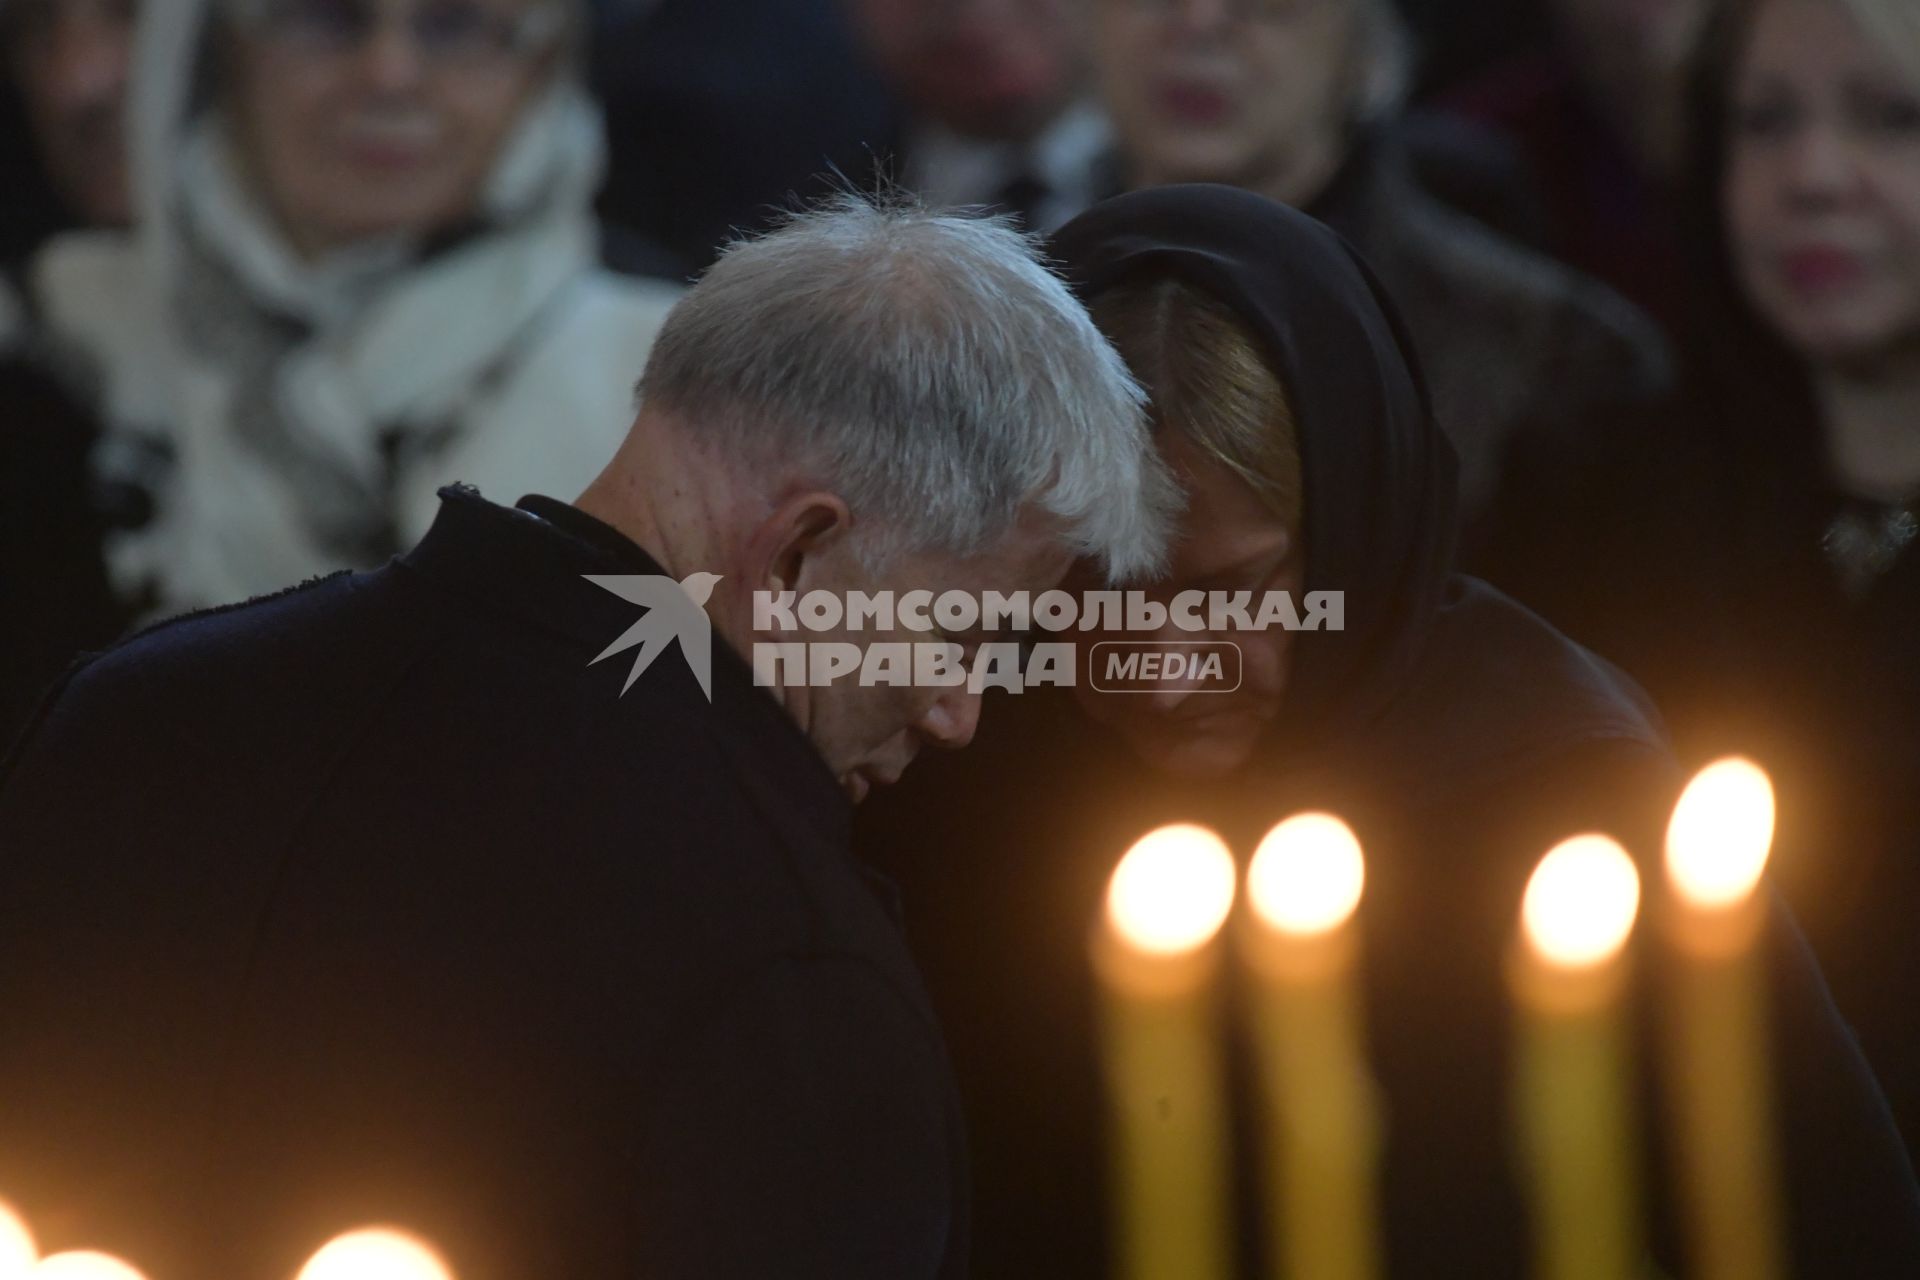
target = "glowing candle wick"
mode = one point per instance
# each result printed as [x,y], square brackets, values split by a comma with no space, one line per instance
[1307,875]
[1581,903]
[1720,835]
[1172,891]
[375,1253]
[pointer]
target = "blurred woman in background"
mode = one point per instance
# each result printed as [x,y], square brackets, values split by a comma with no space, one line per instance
[1749,550]
[1298,101]
[366,267]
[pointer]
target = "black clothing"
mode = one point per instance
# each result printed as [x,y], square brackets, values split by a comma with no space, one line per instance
[54,594]
[633,254]
[373,901]
[719,117]
[1512,341]
[32,211]
[1686,544]
[1457,733]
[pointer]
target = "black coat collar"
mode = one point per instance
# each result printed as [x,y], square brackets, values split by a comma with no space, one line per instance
[528,562]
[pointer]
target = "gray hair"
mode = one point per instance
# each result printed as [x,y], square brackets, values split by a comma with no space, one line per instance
[938,374]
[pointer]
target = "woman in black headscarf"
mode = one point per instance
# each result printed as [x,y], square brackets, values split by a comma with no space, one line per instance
[1458,734]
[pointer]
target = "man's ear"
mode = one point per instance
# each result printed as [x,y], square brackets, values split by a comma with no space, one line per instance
[803,526]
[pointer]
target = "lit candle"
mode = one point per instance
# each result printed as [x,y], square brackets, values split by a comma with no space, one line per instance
[17,1249]
[1154,955]
[84,1264]
[1322,1106]
[375,1253]
[1576,1120]
[1717,846]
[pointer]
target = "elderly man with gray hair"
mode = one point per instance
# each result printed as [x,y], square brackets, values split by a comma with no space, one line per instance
[384,901]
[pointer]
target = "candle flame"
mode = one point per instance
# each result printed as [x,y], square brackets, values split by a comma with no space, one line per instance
[1721,832]
[1581,902]
[375,1253]
[1172,891]
[1307,875]
[84,1264]
[17,1249]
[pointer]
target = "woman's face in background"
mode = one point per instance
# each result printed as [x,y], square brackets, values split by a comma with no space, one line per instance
[1229,541]
[1822,191]
[1254,93]
[366,118]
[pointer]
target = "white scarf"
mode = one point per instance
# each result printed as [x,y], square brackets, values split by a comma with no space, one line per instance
[295,390]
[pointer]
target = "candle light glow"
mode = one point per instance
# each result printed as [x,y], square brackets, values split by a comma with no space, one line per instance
[1581,903]
[1720,835]
[1307,875]
[375,1253]
[17,1249]
[1172,891]
[84,1264]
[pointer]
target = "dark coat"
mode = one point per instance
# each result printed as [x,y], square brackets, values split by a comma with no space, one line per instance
[721,116]
[1511,341]
[1686,544]
[54,593]
[373,901]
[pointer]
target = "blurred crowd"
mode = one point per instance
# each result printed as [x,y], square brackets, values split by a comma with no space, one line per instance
[275,270]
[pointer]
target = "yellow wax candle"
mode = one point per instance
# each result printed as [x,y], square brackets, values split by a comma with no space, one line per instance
[1153,953]
[1321,1101]
[1717,846]
[1576,1118]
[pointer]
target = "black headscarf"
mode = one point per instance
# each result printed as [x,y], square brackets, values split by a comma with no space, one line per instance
[1432,668]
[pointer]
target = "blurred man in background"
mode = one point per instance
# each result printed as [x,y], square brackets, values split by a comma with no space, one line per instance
[717,114]
[995,103]
[1597,121]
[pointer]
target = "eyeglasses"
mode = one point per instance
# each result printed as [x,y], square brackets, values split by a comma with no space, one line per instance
[444,32]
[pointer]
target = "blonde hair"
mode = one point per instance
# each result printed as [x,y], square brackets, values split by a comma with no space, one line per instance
[1208,381]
